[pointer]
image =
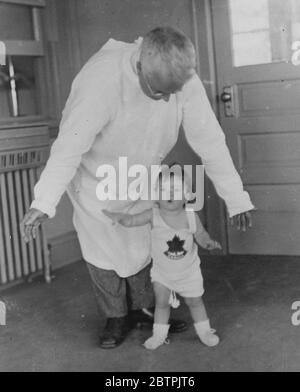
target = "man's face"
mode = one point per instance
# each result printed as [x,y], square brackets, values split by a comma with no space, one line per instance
[158,87]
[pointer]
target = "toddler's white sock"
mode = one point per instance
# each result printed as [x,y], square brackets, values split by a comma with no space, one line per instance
[207,334]
[160,335]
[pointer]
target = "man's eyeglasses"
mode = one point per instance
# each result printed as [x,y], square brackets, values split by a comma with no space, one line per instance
[154,94]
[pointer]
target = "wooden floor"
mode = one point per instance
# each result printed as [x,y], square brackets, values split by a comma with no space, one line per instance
[55,328]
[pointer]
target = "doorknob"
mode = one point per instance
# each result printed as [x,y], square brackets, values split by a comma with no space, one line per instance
[226,97]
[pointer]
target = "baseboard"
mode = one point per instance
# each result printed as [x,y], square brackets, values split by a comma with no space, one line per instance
[64,250]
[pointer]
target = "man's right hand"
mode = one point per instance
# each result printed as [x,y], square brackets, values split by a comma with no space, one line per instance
[30,224]
[118,217]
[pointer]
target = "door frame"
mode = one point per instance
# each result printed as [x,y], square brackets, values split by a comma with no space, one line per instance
[202,18]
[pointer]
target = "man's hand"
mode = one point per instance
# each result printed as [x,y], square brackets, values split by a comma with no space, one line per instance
[31,223]
[242,221]
[118,217]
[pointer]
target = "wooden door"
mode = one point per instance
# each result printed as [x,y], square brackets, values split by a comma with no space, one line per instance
[258,72]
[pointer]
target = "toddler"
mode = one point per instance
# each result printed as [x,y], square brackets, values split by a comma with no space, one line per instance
[176,231]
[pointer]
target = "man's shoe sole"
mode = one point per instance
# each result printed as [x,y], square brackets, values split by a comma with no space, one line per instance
[147,326]
[182,329]
[111,346]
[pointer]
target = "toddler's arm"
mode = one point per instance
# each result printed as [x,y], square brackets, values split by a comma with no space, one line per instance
[203,238]
[128,220]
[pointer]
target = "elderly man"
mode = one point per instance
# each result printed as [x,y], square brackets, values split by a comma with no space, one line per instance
[130,100]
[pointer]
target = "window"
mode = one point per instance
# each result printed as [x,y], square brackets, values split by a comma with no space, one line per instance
[263,31]
[20,76]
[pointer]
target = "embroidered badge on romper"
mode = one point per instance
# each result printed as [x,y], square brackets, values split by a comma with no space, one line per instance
[176,249]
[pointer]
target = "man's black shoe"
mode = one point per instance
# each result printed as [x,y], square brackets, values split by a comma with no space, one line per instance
[115,332]
[145,318]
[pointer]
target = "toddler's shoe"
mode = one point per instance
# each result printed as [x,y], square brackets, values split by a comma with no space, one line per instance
[206,334]
[160,335]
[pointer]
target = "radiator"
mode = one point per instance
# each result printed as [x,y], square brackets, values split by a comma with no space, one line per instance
[23,153]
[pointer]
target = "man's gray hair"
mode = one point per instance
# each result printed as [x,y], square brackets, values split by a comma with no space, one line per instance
[168,47]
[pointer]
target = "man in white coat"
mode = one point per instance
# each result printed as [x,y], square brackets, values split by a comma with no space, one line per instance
[130,100]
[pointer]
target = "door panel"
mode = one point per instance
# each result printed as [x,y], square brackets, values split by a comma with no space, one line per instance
[275,206]
[269,98]
[261,115]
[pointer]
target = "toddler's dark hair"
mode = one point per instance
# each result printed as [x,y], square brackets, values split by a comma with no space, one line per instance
[175,166]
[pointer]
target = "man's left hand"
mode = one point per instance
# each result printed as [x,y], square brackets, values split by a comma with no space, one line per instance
[242,221]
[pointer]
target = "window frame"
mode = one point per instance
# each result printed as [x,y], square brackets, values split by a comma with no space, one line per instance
[30,48]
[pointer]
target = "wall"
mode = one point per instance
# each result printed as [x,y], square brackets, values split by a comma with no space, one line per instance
[126,20]
[60,231]
[78,28]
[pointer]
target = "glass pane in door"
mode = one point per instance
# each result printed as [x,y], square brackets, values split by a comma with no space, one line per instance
[263,31]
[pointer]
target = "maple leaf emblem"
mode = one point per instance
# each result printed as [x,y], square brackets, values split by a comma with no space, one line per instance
[176,249]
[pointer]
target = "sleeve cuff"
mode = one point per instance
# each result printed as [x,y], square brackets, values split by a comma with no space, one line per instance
[46,208]
[240,206]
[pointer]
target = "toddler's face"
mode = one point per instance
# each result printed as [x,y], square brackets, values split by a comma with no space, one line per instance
[171,194]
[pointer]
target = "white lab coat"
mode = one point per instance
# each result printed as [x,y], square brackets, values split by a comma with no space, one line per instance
[107,116]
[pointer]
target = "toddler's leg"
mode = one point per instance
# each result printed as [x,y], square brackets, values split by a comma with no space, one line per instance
[202,324]
[161,317]
[197,309]
[162,306]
